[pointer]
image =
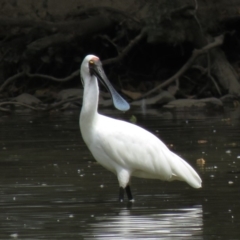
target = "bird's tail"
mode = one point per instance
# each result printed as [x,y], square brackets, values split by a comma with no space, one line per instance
[182,171]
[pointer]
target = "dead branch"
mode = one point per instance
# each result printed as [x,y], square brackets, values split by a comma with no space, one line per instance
[104,62]
[45,42]
[47,77]
[38,109]
[126,50]
[71,30]
[186,9]
[210,75]
[25,22]
[11,79]
[196,5]
[107,9]
[197,52]
[4,109]
[64,26]
[200,68]
[21,104]
[62,102]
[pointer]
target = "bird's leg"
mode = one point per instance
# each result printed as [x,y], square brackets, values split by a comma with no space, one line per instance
[121,194]
[129,193]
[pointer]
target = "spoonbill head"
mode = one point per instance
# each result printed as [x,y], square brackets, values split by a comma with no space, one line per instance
[91,69]
[121,147]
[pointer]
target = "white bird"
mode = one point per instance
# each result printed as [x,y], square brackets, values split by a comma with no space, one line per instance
[121,147]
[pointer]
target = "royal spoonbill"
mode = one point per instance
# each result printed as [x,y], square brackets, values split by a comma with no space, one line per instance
[121,147]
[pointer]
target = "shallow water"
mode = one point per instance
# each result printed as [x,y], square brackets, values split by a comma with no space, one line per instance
[51,187]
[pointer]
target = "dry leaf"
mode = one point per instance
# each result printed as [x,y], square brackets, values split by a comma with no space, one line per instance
[200,162]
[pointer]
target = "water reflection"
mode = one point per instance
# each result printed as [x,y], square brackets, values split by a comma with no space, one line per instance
[153,223]
[51,188]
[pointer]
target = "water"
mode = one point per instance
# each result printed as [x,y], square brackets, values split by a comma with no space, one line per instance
[51,187]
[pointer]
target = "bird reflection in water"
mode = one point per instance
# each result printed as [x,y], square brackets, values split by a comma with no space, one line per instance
[179,223]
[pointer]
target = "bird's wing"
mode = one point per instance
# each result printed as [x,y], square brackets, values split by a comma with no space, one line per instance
[133,148]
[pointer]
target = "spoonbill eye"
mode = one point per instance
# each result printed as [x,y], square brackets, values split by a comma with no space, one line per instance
[91,62]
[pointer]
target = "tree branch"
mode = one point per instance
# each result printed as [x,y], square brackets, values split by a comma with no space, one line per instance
[21,104]
[47,77]
[126,50]
[38,109]
[4,109]
[107,9]
[11,79]
[210,75]
[62,102]
[197,52]
[68,31]
[104,62]
[62,26]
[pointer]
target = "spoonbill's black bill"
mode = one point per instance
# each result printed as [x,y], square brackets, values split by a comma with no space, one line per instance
[121,147]
[95,67]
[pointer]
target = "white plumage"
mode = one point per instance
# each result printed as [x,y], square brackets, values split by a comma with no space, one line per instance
[121,147]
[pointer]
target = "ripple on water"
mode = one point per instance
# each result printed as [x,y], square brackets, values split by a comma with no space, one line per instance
[145,223]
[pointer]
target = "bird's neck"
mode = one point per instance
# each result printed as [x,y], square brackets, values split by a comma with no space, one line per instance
[89,112]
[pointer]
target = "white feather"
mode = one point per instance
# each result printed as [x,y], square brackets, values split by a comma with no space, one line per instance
[124,148]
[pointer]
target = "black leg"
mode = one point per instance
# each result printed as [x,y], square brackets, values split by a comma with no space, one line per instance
[129,193]
[121,194]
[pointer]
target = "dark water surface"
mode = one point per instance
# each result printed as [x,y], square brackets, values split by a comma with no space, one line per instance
[51,187]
